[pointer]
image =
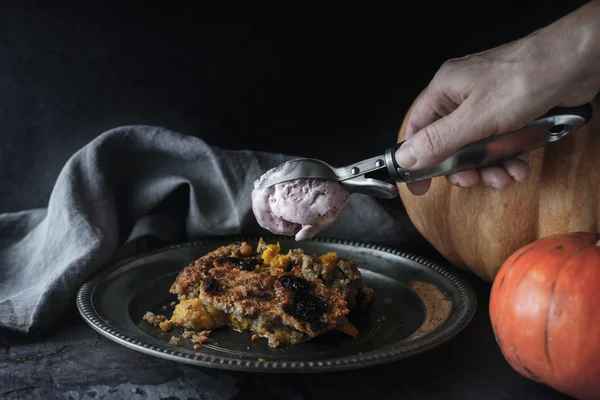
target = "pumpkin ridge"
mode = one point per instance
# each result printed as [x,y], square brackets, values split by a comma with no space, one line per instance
[502,281]
[526,250]
[526,369]
[511,340]
[525,272]
[546,326]
[566,262]
[502,305]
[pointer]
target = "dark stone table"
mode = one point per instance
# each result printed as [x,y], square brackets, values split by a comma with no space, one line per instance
[75,362]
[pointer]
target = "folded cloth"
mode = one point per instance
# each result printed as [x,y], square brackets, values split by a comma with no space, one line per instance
[138,182]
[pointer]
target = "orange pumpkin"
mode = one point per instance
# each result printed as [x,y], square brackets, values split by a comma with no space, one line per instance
[544,308]
[476,229]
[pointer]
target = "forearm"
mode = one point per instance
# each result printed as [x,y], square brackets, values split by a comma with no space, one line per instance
[574,43]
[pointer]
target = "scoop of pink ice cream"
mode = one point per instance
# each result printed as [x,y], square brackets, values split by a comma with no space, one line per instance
[300,208]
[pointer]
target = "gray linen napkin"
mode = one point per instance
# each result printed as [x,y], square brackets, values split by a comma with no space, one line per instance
[137,182]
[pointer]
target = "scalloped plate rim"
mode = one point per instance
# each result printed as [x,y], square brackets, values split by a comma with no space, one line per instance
[469,304]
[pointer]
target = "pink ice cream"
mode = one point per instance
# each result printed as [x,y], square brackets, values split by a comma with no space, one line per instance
[301,207]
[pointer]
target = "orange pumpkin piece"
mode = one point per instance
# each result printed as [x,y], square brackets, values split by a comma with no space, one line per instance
[545,312]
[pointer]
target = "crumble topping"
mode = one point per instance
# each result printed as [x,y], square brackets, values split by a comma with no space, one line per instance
[284,297]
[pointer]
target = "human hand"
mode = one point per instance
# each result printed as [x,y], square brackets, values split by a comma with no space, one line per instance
[501,90]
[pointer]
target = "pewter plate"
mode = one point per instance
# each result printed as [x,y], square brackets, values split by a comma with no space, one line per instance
[420,305]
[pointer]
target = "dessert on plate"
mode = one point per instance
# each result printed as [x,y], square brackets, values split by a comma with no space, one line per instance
[287,298]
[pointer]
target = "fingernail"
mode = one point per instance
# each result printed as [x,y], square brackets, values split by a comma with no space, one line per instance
[405,156]
[454,181]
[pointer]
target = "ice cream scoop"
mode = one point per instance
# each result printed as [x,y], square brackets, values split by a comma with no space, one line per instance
[301,207]
[493,150]
[303,196]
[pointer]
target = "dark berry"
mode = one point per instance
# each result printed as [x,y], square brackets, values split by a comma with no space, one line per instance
[307,307]
[294,284]
[245,264]
[304,305]
[248,264]
[211,285]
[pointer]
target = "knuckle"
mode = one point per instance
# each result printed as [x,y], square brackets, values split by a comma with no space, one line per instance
[431,140]
[443,72]
[452,65]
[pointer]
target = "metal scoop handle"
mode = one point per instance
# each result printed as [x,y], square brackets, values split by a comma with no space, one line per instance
[552,126]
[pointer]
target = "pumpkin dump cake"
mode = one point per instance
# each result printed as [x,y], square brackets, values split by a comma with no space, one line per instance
[285,298]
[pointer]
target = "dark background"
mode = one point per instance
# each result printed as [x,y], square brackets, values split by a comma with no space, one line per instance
[303,80]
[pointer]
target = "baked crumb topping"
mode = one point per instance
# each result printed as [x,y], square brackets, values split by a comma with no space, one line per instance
[287,297]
